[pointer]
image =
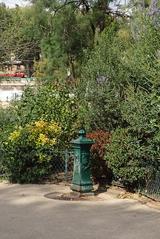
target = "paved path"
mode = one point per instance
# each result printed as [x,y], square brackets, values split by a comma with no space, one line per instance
[26,214]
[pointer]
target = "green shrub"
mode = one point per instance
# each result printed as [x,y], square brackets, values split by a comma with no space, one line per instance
[20,160]
[27,153]
[120,83]
[134,154]
[7,124]
[49,103]
[124,157]
[126,55]
[7,120]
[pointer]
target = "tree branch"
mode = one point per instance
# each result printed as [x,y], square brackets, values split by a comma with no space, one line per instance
[153,8]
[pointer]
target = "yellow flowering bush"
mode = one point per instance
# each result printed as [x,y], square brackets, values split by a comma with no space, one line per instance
[41,133]
[42,139]
[31,150]
[41,124]
[14,135]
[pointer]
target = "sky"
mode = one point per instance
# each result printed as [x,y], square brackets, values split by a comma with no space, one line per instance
[12,3]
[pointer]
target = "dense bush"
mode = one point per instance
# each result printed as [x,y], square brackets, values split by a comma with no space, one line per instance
[7,120]
[118,92]
[100,171]
[124,56]
[21,159]
[100,85]
[7,124]
[134,154]
[50,103]
[120,81]
[27,155]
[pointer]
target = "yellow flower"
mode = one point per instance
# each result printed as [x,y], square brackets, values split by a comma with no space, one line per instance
[40,124]
[42,139]
[14,135]
[53,142]
[53,127]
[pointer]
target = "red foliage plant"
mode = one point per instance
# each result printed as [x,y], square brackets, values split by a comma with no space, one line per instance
[101,139]
[100,170]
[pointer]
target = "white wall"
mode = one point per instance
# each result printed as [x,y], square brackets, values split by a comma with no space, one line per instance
[8,95]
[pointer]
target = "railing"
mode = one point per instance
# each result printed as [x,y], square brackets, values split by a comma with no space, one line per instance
[62,166]
[152,189]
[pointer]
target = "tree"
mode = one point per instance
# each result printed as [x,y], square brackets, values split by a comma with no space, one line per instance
[119,60]
[5,19]
[73,31]
[22,34]
[65,45]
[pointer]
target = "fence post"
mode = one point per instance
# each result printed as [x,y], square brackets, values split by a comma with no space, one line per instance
[66,164]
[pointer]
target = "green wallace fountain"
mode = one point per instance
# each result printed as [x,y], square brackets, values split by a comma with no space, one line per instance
[82,181]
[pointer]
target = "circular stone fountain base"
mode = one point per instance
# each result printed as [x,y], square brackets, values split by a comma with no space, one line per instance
[73,196]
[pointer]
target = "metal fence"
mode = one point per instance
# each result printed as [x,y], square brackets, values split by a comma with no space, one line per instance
[63,166]
[152,188]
